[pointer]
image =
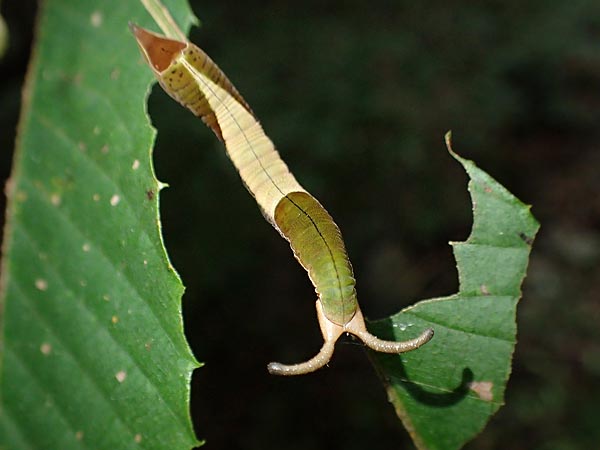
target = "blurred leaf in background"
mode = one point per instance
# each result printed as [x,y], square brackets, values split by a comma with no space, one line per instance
[3,37]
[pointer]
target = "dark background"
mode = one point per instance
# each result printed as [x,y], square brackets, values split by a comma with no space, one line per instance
[357,96]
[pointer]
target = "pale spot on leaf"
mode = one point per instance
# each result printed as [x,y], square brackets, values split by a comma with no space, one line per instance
[55,199]
[45,348]
[484,290]
[79,435]
[104,149]
[115,74]
[137,438]
[483,389]
[114,200]
[41,284]
[96,19]
[114,319]
[86,247]
[121,375]
[96,197]
[96,130]
[135,165]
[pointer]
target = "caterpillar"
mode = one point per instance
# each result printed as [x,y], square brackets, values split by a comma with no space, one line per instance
[189,76]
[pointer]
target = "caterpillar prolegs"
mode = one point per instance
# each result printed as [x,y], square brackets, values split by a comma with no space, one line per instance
[188,75]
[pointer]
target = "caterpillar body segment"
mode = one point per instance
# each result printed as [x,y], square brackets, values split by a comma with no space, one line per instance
[317,244]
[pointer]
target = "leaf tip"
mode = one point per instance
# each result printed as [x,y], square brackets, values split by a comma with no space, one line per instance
[448,141]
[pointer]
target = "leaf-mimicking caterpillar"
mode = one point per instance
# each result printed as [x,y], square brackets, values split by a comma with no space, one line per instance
[188,75]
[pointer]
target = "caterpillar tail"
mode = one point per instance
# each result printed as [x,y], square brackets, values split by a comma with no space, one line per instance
[331,333]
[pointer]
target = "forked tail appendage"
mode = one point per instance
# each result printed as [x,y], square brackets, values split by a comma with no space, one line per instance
[331,333]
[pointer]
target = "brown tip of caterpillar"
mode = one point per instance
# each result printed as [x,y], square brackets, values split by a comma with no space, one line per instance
[159,51]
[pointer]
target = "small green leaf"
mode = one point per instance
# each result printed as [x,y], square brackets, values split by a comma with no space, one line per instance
[93,351]
[446,391]
[3,37]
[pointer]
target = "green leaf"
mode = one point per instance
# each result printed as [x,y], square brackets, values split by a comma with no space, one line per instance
[446,391]
[93,351]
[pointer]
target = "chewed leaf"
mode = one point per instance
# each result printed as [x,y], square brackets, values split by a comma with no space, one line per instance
[447,391]
[93,351]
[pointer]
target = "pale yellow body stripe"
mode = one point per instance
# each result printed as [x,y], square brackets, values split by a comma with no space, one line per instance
[251,151]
